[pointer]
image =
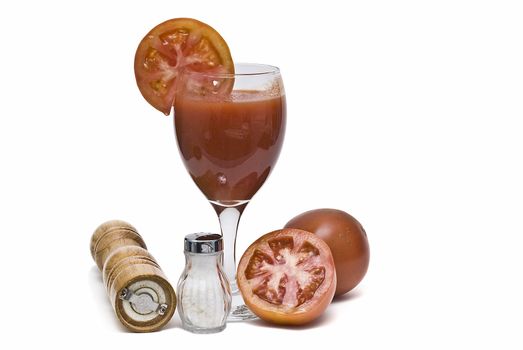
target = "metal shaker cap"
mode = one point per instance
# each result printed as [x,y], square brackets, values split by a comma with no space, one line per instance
[203,243]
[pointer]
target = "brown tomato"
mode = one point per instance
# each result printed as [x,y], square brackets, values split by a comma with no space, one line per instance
[347,240]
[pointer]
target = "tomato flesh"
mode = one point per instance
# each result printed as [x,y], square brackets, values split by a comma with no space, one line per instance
[287,276]
[290,269]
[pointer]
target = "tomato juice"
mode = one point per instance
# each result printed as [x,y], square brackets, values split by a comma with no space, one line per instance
[229,146]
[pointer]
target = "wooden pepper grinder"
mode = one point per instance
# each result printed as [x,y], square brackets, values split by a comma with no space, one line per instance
[141,296]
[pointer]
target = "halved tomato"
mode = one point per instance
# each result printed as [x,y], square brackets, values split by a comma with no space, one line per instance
[287,277]
[169,48]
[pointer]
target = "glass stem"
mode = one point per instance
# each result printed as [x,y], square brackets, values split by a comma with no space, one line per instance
[229,215]
[229,219]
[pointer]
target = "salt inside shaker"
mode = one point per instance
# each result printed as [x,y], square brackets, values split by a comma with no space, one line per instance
[204,293]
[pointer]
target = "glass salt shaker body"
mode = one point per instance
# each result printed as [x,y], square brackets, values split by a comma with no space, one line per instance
[204,293]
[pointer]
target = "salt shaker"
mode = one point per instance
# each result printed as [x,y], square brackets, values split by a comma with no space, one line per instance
[204,293]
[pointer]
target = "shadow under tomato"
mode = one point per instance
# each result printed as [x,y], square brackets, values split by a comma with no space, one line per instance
[353,294]
[326,318]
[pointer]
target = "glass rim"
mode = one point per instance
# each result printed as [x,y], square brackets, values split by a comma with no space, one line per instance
[258,69]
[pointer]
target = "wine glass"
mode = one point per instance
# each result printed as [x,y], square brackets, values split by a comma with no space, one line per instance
[230,130]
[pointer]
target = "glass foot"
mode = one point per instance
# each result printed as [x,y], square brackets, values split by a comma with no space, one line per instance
[240,311]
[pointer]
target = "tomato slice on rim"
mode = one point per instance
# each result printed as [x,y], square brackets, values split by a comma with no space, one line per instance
[287,277]
[169,48]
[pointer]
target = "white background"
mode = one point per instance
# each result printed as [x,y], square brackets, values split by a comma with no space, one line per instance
[407,114]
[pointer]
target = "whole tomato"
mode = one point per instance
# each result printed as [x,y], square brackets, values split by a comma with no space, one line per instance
[346,239]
